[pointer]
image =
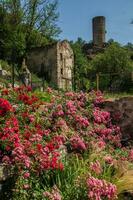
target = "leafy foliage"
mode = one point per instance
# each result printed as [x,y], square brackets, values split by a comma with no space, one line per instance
[114,67]
[81,66]
[25,24]
[114,60]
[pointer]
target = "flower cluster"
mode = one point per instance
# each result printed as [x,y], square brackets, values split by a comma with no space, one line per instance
[9,134]
[83,122]
[99,189]
[130,156]
[53,195]
[27,99]
[71,108]
[98,98]
[77,143]
[101,116]
[108,159]
[96,167]
[5,107]
[41,138]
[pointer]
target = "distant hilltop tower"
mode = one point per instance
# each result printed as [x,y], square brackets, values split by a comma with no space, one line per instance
[98,27]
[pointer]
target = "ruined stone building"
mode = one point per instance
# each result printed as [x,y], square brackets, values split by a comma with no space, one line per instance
[54,63]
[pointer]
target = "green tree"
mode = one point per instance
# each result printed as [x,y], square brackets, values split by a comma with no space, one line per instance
[115,60]
[81,66]
[25,24]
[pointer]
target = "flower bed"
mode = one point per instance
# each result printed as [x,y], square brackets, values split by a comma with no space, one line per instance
[60,145]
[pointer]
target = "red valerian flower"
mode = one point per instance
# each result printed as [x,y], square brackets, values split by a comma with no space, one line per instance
[4,92]
[26,175]
[77,143]
[27,99]
[99,189]
[96,167]
[53,195]
[101,116]
[26,186]
[5,106]
[130,155]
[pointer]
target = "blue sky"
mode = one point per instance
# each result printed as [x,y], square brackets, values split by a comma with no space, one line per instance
[76,15]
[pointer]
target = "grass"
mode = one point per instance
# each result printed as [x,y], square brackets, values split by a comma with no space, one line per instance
[114,96]
[125,183]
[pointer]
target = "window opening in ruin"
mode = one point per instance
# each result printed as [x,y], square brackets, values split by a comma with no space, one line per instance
[61,56]
[61,71]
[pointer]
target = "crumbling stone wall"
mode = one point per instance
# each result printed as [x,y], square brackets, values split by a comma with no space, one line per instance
[65,63]
[43,62]
[122,113]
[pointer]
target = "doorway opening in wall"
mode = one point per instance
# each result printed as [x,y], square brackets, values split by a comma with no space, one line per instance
[61,71]
[61,56]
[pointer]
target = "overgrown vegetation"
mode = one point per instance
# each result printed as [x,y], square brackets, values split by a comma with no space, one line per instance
[114,67]
[81,66]
[25,24]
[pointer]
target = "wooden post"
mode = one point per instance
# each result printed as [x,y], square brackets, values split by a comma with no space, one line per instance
[97,81]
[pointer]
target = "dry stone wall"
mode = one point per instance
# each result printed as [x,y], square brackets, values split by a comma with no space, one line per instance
[122,113]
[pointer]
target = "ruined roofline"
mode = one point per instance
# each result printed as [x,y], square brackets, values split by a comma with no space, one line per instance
[47,46]
[43,47]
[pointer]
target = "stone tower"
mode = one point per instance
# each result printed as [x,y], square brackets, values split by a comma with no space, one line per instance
[98,27]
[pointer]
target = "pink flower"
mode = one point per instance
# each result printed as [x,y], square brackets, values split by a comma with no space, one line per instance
[26,186]
[130,155]
[101,116]
[61,123]
[53,195]
[58,111]
[26,175]
[71,108]
[49,90]
[46,132]
[96,167]
[69,94]
[99,189]
[6,160]
[5,106]
[81,121]
[108,159]
[101,144]
[31,118]
[77,143]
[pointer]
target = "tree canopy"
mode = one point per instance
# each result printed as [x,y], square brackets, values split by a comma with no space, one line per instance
[115,59]
[25,24]
[81,66]
[114,65]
